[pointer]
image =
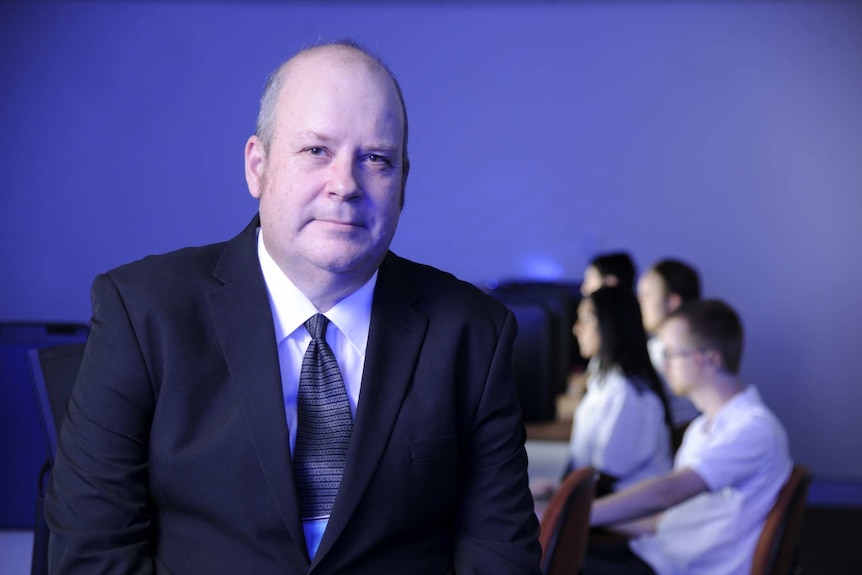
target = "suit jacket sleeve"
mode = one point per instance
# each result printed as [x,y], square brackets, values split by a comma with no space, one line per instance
[496,529]
[97,504]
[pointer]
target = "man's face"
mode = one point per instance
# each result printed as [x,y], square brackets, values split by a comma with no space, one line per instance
[682,359]
[652,297]
[330,182]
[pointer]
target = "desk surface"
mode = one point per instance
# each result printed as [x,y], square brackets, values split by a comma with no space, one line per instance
[557,430]
[16,549]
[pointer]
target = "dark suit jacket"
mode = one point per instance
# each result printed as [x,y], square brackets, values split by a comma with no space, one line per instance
[174,455]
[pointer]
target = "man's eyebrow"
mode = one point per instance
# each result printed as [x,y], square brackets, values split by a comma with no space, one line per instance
[312,135]
[385,148]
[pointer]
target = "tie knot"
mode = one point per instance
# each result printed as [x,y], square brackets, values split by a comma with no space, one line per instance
[316,325]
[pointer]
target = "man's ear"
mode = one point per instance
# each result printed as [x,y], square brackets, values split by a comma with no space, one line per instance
[405,171]
[713,358]
[255,166]
[672,302]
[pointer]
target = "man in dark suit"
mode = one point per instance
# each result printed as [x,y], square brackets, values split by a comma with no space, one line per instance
[179,450]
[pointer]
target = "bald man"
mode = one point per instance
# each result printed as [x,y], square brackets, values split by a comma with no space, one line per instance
[179,452]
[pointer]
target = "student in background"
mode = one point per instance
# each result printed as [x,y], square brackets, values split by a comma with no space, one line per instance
[613,269]
[661,290]
[622,425]
[609,269]
[706,515]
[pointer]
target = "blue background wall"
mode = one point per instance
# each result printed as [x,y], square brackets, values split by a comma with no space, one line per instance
[728,134]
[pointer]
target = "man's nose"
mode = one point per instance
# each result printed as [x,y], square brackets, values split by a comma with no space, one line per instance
[344,179]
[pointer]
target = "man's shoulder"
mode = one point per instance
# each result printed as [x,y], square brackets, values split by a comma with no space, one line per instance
[443,289]
[749,413]
[168,284]
[748,433]
[188,263]
[185,261]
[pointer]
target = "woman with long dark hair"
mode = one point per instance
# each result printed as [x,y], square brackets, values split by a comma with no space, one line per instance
[622,424]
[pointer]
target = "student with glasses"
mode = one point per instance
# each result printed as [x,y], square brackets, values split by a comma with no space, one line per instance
[704,516]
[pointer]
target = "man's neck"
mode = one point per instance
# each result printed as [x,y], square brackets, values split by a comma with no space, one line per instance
[712,395]
[328,289]
[322,287]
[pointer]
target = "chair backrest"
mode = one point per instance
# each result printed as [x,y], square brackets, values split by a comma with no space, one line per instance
[565,524]
[53,371]
[776,547]
[22,450]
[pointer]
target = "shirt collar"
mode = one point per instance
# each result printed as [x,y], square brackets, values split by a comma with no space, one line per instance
[747,397]
[291,308]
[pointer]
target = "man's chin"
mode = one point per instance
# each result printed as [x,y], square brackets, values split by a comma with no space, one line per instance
[346,261]
[677,391]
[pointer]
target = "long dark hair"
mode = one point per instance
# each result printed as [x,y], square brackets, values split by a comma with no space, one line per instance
[618,264]
[624,342]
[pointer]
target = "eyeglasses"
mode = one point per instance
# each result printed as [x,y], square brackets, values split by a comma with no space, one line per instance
[669,354]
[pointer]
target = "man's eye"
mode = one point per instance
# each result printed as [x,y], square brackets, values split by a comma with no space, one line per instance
[377,159]
[315,151]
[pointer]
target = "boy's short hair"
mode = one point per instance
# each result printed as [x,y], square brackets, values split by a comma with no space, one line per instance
[679,278]
[714,325]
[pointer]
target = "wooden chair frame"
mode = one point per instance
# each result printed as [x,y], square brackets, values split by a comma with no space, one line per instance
[565,524]
[775,553]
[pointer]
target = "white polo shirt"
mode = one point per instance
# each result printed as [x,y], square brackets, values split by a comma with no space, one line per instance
[743,458]
[619,430]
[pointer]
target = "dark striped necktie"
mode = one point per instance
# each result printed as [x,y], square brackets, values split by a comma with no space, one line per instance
[324,425]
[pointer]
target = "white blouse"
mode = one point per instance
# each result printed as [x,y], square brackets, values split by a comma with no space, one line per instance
[620,431]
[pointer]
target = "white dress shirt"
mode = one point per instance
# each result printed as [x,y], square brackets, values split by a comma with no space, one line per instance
[347,335]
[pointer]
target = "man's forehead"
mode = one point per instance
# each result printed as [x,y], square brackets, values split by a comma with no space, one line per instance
[674,328]
[310,60]
[333,70]
[651,281]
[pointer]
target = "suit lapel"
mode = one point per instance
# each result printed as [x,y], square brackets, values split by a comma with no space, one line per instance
[394,341]
[243,320]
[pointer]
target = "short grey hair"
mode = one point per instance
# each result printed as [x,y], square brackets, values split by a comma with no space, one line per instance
[269,100]
[266,116]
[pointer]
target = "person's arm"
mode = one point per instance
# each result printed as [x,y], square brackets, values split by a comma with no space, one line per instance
[98,501]
[605,484]
[637,526]
[496,529]
[648,497]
